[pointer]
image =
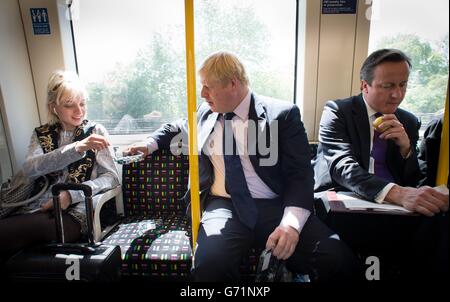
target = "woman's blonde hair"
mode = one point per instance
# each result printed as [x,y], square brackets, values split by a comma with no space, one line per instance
[62,83]
[222,67]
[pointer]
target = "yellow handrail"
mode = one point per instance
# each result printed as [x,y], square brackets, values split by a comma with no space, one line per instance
[192,119]
[442,172]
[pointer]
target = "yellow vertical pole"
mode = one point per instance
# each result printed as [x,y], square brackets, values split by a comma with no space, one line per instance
[442,172]
[192,119]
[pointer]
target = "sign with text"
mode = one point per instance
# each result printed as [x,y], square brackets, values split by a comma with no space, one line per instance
[39,19]
[338,6]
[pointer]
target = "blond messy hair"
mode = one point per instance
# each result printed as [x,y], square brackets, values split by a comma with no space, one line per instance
[222,67]
[62,83]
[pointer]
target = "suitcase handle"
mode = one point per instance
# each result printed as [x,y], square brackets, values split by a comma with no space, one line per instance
[56,189]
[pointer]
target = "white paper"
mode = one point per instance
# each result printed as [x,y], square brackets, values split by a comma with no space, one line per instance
[354,202]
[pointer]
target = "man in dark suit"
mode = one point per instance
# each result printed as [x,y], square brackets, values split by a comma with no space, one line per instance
[380,166]
[259,194]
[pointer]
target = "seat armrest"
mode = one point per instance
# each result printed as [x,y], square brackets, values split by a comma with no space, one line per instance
[113,193]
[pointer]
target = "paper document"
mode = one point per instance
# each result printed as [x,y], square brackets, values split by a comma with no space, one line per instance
[354,202]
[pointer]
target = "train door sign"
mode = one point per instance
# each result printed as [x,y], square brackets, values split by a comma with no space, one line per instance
[40,21]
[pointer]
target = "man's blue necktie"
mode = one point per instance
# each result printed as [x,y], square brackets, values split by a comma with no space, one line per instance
[379,149]
[235,183]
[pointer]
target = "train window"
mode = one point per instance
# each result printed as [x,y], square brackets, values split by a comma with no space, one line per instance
[261,33]
[394,24]
[133,57]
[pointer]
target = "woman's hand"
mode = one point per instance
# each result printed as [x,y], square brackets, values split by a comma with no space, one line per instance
[64,200]
[93,142]
[136,148]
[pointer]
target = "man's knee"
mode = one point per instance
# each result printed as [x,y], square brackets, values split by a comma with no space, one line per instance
[210,266]
[338,262]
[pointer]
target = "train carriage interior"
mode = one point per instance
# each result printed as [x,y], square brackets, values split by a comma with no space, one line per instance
[138,60]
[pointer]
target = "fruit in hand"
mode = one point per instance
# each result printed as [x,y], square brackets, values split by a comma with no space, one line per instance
[377,122]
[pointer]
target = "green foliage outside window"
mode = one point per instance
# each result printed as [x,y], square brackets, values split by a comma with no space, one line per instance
[154,84]
[427,84]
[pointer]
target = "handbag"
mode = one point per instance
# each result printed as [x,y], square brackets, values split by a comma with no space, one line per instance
[20,191]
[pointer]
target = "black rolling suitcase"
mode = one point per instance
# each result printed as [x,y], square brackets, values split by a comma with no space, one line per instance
[67,261]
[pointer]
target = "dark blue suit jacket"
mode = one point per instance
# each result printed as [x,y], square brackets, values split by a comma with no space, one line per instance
[291,176]
[343,153]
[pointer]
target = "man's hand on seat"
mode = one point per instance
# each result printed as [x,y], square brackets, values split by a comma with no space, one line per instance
[424,200]
[136,148]
[283,241]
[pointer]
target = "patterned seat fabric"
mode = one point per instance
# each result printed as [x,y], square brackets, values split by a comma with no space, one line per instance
[156,185]
[155,234]
[158,247]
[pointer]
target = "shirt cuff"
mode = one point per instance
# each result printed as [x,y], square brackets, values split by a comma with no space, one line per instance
[152,145]
[295,217]
[382,194]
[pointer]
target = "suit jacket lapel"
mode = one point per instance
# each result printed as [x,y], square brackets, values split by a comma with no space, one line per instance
[206,129]
[362,128]
[257,115]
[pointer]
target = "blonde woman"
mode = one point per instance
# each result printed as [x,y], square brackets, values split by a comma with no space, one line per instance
[68,148]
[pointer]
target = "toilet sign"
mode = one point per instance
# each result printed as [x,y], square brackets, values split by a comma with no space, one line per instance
[39,19]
